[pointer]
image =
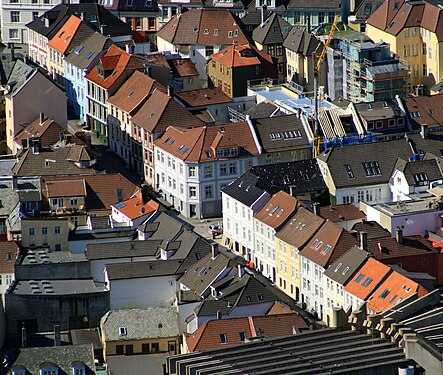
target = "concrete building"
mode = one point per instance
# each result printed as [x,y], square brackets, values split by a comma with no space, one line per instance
[50,233]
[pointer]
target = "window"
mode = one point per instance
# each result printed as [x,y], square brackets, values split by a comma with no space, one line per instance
[13,33]
[44,230]
[79,370]
[208,170]
[145,348]
[321,17]
[192,172]
[192,191]
[129,349]
[58,247]
[359,278]
[232,168]
[122,331]
[425,70]
[367,281]
[155,347]
[34,15]
[223,338]
[31,231]
[209,50]
[15,16]
[119,349]
[371,168]
[223,169]
[391,123]
[209,191]
[57,230]
[349,171]
[52,371]
[384,294]
[74,201]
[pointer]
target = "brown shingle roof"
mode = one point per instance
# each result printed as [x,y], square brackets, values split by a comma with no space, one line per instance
[341,212]
[160,111]
[102,189]
[133,92]
[278,325]
[203,97]
[70,188]
[199,144]
[298,230]
[183,68]
[429,108]
[78,153]
[277,210]
[328,244]
[48,132]
[204,26]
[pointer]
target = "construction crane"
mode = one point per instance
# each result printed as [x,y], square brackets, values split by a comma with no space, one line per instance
[317,61]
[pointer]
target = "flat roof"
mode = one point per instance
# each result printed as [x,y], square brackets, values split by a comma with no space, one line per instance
[423,202]
[57,287]
[43,256]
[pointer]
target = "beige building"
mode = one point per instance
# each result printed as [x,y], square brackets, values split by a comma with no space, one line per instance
[46,232]
[24,100]
[140,331]
[415,34]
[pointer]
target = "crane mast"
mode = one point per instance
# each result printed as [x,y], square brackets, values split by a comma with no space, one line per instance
[317,61]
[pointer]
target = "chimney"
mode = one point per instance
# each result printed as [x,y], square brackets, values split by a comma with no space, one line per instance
[424,131]
[24,336]
[241,271]
[308,23]
[57,335]
[42,118]
[88,140]
[14,182]
[364,240]
[399,235]
[214,248]
[264,13]
[219,314]
[170,91]
[144,193]
[316,208]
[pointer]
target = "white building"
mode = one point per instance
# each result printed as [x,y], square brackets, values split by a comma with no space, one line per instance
[267,222]
[241,199]
[193,165]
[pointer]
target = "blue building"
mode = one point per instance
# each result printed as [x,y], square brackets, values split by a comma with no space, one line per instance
[77,64]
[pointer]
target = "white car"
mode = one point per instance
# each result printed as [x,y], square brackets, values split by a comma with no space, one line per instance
[215,228]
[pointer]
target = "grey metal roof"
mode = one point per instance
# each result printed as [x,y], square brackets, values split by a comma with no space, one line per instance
[379,110]
[129,249]
[323,351]
[6,166]
[411,169]
[280,133]
[20,74]
[61,356]
[273,31]
[134,270]
[88,50]
[300,41]
[140,324]
[264,109]
[244,189]
[345,267]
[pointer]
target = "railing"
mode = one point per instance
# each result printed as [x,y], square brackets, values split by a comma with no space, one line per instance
[235,116]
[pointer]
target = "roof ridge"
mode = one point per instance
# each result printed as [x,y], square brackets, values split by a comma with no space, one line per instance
[203,132]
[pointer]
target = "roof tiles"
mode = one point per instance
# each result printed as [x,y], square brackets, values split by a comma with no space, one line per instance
[277,210]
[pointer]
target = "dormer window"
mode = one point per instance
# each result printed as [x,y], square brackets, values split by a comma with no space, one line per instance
[122,331]
[129,3]
[79,369]
[49,371]
[227,152]
[19,372]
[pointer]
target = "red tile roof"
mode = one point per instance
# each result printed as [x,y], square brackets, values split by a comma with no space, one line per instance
[160,111]
[62,40]
[429,108]
[119,62]
[70,188]
[341,212]
[131,95]
[8,253]
[200,144]
[328,244]
[278,210]
[394,289]
[242,55]
[279,308]
[133,208]
[208,335]
[367,278]
[183,68]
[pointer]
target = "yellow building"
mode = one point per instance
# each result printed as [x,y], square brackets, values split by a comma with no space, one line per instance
[414,31]
[140,331]
[289,241]
[46,232]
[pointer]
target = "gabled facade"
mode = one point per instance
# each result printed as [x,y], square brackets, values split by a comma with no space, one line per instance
[267,223]
[192,165]
[231,68]
[314,13]
[109,73]
[78,64]
[24,100]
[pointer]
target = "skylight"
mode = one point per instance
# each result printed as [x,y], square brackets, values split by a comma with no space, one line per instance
[327,249]
[384,294]
[371,168]
[367,281]
[89,55]
[349,171]
[393,298]
[319,245]
[79,48]
[359,278]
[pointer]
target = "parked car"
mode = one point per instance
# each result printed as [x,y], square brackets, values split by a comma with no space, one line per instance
[216,229]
